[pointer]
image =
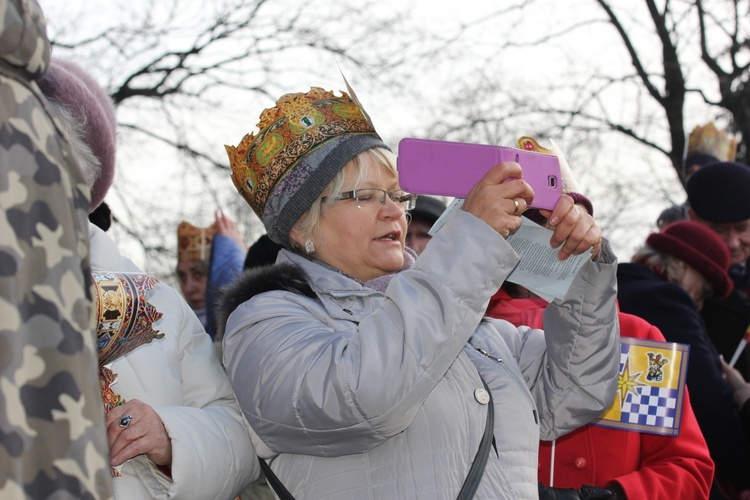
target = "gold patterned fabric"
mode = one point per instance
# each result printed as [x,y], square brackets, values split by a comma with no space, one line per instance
[125,318]
[124,322]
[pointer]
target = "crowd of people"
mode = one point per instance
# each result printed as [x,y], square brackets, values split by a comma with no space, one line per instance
[350,351]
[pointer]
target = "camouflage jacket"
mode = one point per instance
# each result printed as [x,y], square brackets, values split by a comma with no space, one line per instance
[52,437]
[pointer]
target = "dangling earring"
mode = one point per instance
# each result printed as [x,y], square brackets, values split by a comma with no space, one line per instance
[309,247]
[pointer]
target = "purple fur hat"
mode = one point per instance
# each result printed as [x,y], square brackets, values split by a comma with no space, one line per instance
[82,96]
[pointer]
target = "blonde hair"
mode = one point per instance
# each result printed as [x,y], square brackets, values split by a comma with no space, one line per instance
[308,224]
[663,263]
[668,266]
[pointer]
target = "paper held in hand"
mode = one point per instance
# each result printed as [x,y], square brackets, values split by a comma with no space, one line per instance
[539,269]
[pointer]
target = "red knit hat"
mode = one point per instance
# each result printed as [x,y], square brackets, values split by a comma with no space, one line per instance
[700,248]
[79,93]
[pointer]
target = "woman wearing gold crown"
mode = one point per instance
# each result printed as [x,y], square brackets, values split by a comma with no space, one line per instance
[208,258]
[367,373]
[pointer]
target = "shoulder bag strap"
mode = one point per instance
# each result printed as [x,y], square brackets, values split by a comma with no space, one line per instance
[471,483]
[274,481]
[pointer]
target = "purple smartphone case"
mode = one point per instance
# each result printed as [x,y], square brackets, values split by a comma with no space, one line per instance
[452,168]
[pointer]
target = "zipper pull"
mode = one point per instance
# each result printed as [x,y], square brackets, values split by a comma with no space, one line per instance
[499,360]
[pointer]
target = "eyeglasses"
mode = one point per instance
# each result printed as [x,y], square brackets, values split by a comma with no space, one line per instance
[375,198]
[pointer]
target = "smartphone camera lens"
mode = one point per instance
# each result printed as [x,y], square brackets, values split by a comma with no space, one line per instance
[552,182]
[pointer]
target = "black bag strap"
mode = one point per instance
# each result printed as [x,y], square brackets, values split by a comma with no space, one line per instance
[274,481]
[471,483]
[474,477]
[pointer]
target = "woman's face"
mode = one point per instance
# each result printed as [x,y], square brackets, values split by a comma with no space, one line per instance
[366,242]
[193,276]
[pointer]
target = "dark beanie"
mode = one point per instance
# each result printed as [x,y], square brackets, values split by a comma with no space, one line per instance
[427,208]
[698,159]
[700,248]
[720,192]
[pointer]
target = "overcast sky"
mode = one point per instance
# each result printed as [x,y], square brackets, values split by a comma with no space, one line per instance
[396,117]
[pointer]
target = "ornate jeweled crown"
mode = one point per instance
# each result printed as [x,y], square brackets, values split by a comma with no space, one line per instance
[194,243]
[711,141]
[297,125]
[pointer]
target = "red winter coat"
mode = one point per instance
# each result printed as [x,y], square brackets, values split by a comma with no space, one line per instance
[645,465]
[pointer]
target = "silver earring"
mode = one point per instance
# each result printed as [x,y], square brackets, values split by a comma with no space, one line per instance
[309,247]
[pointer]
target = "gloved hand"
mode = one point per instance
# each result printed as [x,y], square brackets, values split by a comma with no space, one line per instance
[585,492]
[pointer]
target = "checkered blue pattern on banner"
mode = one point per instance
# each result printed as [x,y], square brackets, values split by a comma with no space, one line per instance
[624,349]
[654,406]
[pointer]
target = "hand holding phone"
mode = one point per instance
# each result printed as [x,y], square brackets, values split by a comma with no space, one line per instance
[498,202]
[447,168]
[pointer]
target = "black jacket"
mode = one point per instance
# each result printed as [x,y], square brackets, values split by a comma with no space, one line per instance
[726,322]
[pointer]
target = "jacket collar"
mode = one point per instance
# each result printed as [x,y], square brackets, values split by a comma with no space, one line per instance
[342,296]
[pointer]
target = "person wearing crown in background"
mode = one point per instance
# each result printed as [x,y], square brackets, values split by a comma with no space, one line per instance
[706,145]
[366,372]
[207,259]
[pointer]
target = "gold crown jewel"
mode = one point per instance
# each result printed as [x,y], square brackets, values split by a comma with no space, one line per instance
[530,144]
[709,140]
[298,124]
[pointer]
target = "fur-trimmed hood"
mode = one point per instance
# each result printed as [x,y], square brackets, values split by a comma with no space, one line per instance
[255,281]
